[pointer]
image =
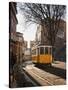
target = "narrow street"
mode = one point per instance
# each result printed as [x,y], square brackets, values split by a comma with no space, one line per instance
[40,76]
[57,69]
[46,77]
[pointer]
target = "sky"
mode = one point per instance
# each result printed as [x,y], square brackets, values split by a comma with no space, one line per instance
[28,31]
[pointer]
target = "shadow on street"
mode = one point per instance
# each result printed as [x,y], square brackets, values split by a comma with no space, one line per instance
[54,70]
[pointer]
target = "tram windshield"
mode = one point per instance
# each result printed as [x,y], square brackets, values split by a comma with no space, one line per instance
[46,50]
[41,50]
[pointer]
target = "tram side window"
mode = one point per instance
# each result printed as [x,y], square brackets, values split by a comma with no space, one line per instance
[41,50]
[46,50]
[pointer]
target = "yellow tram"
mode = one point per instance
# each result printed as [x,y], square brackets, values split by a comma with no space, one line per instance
[42,54]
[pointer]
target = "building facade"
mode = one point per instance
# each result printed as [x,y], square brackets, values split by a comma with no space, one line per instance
[60,43]
[32,43]
[12,39]
[12,32]
[41,36]
[19,46]
[25,45]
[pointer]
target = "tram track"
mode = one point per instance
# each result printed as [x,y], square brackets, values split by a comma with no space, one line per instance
[44,78]
[39,79]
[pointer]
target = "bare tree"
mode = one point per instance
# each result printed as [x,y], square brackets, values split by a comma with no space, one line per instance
[48,16]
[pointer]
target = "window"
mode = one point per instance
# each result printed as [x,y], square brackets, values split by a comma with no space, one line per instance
[60,33]
[46,50]
[41,50]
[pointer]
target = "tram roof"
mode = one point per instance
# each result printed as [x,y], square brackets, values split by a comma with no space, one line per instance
[36,46]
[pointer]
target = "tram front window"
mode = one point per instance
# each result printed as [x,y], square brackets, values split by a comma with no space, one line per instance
[46,50]
[41,50]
